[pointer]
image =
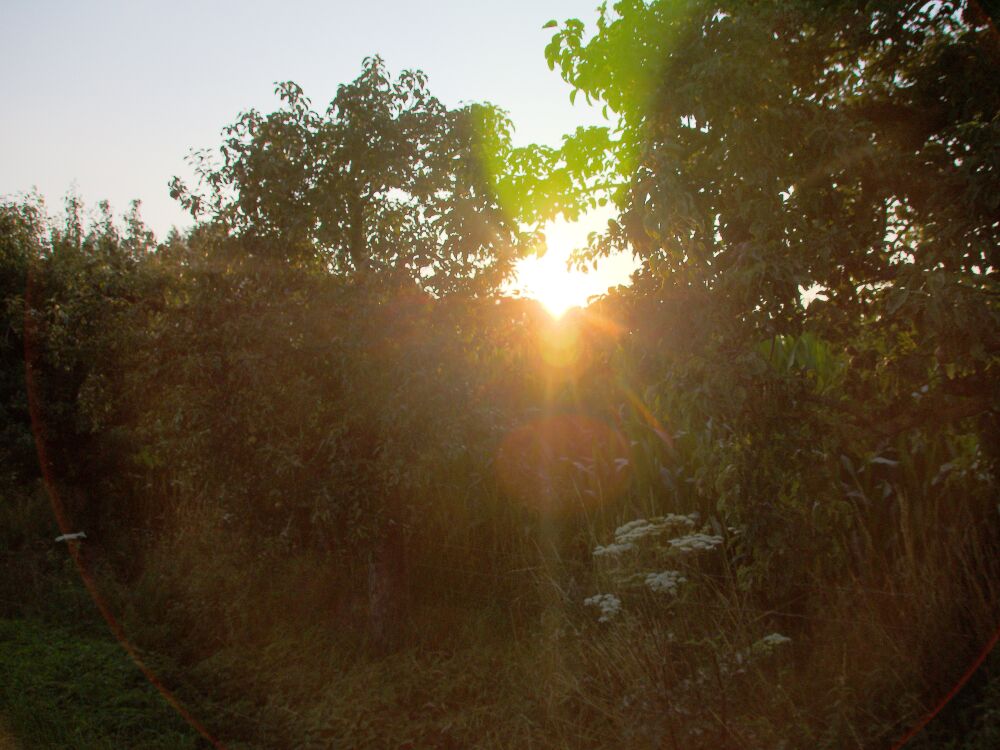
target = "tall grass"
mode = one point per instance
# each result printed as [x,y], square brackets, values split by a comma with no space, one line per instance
[501,651]
[265,639]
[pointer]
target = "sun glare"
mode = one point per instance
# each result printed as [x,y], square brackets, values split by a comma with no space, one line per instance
[547,280]
[558,289]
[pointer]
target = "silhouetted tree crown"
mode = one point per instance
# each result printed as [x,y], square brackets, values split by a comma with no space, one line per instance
[387,184]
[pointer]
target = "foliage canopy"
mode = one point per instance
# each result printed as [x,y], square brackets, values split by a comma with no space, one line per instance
[855,153]
[387,184]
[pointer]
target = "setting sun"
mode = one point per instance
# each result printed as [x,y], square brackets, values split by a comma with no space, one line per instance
[548,280]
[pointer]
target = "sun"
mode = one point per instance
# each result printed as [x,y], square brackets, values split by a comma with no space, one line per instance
[547,278]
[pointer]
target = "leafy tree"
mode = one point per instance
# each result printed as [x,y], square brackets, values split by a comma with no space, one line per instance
[387,185]
[330,293]
[74,297]
[762,150]
[854,154]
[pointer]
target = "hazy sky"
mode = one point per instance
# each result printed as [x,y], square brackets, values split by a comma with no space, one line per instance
[109,97]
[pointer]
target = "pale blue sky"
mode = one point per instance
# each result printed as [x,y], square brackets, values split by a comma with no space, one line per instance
[110,96]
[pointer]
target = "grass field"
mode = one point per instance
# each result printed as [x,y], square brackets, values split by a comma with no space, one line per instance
[61,688]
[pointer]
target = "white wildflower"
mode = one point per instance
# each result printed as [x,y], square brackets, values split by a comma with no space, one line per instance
[665,582]
[641,528]
[613,550]
[609,604]
[694,542]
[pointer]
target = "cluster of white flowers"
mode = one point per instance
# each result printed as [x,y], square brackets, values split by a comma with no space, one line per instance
[693,542]
[641,527]
[665,582]
[636,529]
[609,604]
[660,533]
[628,534]
[613,550]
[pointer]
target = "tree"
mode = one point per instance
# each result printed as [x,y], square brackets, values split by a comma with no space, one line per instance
[384,207]
[387,185]
[75,298]
[856,156]
[761,150]
[854,153]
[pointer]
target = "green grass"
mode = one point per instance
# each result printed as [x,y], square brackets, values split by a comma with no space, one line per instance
[61,689]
